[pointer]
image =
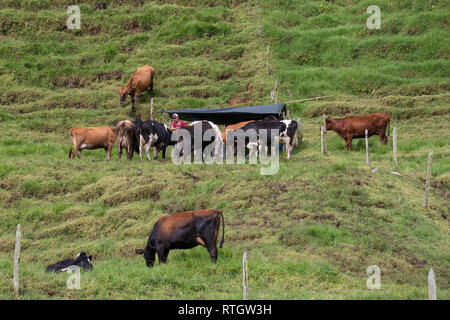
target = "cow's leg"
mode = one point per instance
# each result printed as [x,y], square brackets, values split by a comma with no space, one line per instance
[129,152]
[349,142]
[119,150]
[108,152]
[133,100]
[164,149]
[150,257]
[162,254]
[141,146]
[212,249]
[76,150]
[155,153]
[383,137]
[147,149]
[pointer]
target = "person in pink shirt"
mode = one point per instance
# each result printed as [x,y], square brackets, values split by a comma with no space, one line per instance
[177,123]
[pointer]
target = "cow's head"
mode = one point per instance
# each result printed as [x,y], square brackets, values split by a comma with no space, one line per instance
[328,124]
[84,261]
[123,95]
[149,260]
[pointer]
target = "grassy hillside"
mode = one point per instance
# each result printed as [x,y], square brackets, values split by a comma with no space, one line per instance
[310,231]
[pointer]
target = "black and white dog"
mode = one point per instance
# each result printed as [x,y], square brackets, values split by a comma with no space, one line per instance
[82,260]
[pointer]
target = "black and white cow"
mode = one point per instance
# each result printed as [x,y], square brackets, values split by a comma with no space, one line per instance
[82,260]
[285,131]
[213,135]
[153,134]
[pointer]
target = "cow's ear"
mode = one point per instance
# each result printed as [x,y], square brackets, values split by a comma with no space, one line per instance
[90,258]
[139,251]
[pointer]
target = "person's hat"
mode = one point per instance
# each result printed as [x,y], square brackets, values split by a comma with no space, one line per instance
[174,116]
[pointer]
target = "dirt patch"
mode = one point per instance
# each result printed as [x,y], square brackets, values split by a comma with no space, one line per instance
[132,26]
[70,81]
[113,75]
[189,175]
[100,6]
[94,30]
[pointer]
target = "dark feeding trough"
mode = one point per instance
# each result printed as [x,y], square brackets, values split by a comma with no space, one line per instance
[232,115]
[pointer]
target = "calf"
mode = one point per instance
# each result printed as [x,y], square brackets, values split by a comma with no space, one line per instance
[82,260]
[184,230]
[354,127]
[91,138]
[202,127]
[126,138]
[284,129]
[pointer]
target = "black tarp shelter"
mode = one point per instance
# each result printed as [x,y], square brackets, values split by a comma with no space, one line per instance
[231,115]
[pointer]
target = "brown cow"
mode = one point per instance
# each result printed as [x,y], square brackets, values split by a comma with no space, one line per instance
[126,138]
[354,127]
[138,82]
[91,138]
[183,230]
[233,127]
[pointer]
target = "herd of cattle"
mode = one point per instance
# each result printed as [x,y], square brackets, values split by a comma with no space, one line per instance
[139,136]
[188,229]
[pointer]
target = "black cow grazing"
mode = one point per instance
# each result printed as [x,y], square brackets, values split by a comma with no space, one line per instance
[285,131]
[82,260]
[126,138]
[184,230]
[153,134]
[215,136]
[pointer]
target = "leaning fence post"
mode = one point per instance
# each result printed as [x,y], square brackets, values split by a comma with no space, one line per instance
[394,146]
[367,148]
[324,135]
[245,275]
[17,259]
[431,285]
[427,182]
[151,109]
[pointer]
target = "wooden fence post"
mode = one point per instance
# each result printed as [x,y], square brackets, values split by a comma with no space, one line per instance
[431,285]
[299,130]
[292,105]
[151,110]
[324,135]
[322,140]
[427,182]
[367,148]
[267,60]
[394,146]
[276,91]
[17,259]
[245,275]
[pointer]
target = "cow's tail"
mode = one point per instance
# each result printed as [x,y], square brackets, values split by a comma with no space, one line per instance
[223,229]
[71,144]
